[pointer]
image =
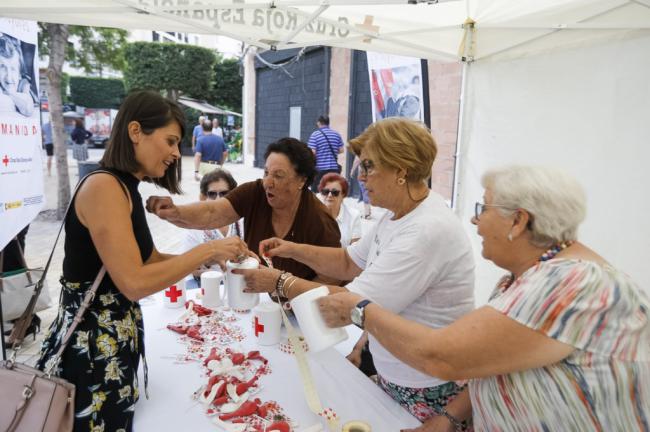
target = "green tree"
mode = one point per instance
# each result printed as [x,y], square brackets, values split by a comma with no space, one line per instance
[96,49]
[94,92]
[174,68]
[228,82]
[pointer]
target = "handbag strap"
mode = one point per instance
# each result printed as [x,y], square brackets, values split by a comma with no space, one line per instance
[20,328]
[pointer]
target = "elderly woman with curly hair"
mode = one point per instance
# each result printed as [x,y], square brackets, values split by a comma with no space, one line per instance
[563,343]
[416,261]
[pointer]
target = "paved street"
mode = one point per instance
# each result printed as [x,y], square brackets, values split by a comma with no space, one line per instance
[167,237]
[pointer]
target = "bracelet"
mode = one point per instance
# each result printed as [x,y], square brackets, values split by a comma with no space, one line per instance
[279,284]
[457,424]
[286,291]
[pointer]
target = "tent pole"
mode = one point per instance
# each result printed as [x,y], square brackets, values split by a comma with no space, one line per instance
[459,137]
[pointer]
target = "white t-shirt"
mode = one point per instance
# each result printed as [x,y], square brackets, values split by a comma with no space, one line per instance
[349,220]
[217,131]
[194,238]
[420,267]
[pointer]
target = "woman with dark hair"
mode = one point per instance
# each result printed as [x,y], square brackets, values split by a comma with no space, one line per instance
[278,205]
[106,226]
[214,186]
[79,136]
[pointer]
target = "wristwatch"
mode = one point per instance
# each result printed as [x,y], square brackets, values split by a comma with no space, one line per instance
[357,314]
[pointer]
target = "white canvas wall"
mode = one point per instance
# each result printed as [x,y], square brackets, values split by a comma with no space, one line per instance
[586,111]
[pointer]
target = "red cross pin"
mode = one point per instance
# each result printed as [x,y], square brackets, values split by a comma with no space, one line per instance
[259,328]
[173,293]
[5,160]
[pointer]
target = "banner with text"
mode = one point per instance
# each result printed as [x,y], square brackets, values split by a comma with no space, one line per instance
[395,86]
[21,173]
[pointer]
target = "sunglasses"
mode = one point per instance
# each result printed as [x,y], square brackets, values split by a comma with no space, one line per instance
[216,194]
[334,192]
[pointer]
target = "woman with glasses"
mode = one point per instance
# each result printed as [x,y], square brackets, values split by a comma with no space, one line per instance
[333,188]
[563,343]
[416,261]
[214,185]
[278,205]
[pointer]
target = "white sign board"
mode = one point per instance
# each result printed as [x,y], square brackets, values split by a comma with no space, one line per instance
[21,173]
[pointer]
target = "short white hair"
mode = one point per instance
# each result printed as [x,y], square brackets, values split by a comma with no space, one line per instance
[554,199]
[201,118]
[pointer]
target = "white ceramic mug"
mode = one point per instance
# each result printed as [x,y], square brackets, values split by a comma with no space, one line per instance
[318,335]
[267,323]
[210,284]
[174,296]
[235,284]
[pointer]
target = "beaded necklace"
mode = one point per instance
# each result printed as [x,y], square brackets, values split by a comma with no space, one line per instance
[548,255]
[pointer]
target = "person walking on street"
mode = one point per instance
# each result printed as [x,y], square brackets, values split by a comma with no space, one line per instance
[79,136]
[49,145]
[216,129]
[326,144]
[210,152]
[197,132]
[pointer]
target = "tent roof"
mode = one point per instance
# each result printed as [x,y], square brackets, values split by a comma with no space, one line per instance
[205,107]
[445,30]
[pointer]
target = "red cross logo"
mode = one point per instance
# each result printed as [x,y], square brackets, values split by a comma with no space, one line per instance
[259,328]
[5,160]
[173,293]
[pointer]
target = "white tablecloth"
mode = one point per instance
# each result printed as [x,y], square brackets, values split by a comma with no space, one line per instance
[340,385]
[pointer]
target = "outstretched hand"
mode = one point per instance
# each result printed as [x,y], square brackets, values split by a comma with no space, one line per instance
[274,246]
[163,207]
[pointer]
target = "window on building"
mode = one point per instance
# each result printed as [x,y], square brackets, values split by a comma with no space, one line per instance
[295,115]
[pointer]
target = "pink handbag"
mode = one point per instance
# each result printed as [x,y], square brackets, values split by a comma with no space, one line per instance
[31,400]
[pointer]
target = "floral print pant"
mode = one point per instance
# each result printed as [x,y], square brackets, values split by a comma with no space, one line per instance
[102,357]
[424,403]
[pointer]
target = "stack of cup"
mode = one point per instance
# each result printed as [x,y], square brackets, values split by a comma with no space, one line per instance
[210,284]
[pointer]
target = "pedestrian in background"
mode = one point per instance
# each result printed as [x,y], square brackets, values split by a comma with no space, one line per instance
[48,144]
[79,136]
[326,144]
[211,151]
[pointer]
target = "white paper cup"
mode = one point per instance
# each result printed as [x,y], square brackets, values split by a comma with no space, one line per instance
[235,284]
[318,335]
[210,284]
[174,296]
[267,323]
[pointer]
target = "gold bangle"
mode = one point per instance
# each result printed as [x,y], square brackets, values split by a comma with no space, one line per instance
[295,278]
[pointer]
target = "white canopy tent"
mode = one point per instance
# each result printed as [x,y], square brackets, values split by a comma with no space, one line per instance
[562,82]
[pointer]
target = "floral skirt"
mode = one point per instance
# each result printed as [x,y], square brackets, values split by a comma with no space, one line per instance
[424,403]
[102,357]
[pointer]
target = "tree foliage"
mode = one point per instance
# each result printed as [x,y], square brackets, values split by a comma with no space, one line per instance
[96,48]
[174,68]
[227,88]
[97,92]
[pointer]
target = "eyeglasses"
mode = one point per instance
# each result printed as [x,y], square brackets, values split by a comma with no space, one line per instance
[479,208]
[216,194]
[367,167]
[334,192]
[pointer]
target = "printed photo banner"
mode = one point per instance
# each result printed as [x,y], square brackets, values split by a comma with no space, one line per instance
[396,86]
[21,173]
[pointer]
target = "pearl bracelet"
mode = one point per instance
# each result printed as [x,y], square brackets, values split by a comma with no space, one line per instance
[279,285]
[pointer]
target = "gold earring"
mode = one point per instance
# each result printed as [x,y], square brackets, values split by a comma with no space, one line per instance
[401,181]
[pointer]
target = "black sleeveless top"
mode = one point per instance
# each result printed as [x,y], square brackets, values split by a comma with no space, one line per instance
[81,262]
